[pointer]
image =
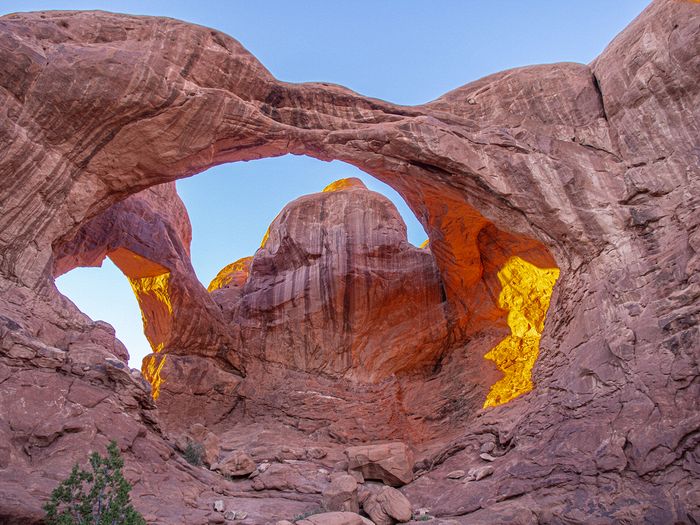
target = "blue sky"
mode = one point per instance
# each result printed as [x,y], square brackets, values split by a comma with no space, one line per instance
[405,51]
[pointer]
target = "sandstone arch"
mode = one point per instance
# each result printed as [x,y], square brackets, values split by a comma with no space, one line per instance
[598,163]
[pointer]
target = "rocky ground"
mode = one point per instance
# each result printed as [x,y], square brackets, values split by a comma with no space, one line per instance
[341,368]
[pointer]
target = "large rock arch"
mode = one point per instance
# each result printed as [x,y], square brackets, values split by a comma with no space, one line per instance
[596,164]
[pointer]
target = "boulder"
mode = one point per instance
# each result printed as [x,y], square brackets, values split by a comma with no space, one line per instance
[391,463]
[236,464]
[341,494]
[387,507]
[198,433]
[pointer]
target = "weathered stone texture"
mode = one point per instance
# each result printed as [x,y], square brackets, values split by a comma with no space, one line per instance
[594,168]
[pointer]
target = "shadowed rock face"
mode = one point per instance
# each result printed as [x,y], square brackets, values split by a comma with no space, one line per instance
[595,164]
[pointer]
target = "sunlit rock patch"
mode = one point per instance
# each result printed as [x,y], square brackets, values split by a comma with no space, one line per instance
[150,368]
[345,184]
[526,291]
[156,306]
[235,273]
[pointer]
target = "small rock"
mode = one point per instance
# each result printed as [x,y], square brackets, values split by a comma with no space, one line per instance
[237,463]
[487,457]
[456,474]
[230,515]
[477,473]
[488,446]
[240,515]
[219,505]
[316,453]
[422,511]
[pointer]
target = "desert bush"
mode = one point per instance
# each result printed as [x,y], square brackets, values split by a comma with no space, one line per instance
[194,453]
[97,497]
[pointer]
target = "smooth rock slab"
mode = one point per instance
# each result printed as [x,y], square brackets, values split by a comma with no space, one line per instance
[335,518]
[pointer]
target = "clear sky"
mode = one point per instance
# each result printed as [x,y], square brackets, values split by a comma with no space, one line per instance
[404,51]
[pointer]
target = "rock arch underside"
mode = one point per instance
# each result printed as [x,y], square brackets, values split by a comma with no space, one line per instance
[337,332]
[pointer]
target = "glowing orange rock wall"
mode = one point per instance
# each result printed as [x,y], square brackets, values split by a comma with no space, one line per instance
[526,290]
[234,274]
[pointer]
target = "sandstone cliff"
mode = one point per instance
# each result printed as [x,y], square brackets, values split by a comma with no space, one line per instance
[592,168]
[337,289]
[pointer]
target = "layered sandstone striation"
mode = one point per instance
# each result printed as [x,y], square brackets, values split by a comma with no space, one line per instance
[336,270]
[593,169]
[148,237]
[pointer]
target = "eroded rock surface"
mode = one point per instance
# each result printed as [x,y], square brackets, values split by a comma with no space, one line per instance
[148,237]
[335,271]
[590,168]
[391,463]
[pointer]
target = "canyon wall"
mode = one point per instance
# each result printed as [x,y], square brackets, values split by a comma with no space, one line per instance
[592,168]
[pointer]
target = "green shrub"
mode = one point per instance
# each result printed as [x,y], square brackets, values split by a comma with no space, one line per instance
[194,453]
[100,497]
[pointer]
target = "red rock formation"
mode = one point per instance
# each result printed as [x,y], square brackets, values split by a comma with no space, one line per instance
[148,237]
[596,164]
[233,275]
[335,271]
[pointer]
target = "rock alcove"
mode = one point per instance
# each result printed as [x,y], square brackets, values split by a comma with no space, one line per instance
[589,168]
[336,305]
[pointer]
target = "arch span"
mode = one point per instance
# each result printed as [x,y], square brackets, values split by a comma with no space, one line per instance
[596,164]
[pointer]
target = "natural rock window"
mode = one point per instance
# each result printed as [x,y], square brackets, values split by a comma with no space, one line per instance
[595,162]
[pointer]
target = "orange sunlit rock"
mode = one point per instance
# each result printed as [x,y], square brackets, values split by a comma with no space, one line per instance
[265,238]
[135,265]
[234,274]
[526,291]
[350,183]
[150,368]
[156,306]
